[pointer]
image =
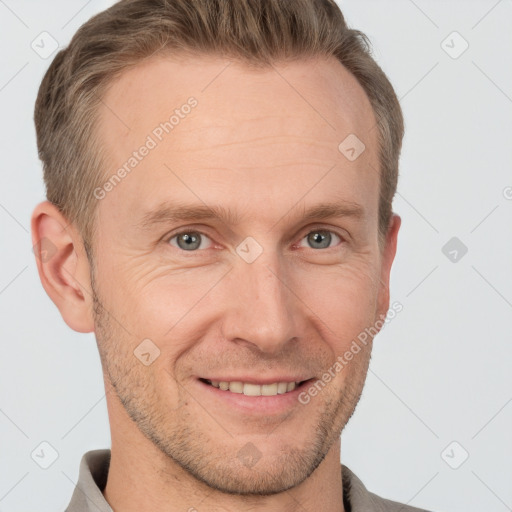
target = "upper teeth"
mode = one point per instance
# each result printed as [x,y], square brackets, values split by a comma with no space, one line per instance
[277,388]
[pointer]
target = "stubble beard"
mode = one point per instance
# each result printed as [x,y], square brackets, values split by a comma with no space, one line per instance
[173,432]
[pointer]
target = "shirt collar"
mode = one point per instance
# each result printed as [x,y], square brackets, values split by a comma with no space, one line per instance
[92,478]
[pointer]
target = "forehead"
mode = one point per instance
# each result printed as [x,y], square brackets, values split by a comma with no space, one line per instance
[317,88]
[271,132]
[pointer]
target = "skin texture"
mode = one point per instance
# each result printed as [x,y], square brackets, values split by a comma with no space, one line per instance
[265,145]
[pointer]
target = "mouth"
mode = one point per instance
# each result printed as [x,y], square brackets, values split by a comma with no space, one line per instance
[256,398]
[255,389]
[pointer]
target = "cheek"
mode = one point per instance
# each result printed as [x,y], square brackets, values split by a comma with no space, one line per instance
[156,300]
[173,305]
[167,305]
[343,298]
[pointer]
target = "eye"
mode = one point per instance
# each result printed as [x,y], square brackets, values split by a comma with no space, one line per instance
[189,240]
[320,238]
[192,241]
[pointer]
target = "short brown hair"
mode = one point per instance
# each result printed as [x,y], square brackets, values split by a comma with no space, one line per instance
[259,33]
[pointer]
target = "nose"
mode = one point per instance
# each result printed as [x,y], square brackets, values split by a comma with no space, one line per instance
[263,310]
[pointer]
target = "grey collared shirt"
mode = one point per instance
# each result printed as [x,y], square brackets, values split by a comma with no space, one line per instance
[92,478]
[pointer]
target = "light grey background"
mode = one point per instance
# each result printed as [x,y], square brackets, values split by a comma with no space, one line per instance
[440,371]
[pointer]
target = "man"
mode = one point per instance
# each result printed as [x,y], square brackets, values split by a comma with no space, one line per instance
[219,178]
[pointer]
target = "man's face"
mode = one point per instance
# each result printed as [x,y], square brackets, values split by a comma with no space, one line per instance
[264,297]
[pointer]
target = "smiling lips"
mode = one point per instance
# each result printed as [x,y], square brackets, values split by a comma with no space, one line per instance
[251,389]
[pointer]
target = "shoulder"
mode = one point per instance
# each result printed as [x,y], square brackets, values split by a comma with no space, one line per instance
[358,499]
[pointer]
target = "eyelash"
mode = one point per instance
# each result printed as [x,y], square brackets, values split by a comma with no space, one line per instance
[196,231]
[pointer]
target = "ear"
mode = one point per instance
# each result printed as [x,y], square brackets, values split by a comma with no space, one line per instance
[387,257]
[63,266]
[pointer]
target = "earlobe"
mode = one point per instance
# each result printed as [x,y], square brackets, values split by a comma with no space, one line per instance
[388,255]
[63,266]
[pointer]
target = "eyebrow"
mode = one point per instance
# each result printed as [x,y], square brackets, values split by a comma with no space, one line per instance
[172,212]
